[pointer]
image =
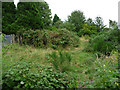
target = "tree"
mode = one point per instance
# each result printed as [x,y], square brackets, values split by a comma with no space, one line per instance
[58,23]
[68,26]
[99,24]
[8,17]
[112,24]
[78,19]
[89,21]
[33,15]
[55,19]
[92,25]
[87,30]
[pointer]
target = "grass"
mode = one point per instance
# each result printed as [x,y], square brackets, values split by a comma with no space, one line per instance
[83,64]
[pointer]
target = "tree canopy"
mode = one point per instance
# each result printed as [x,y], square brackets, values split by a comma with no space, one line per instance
[27,15]
[55,19]
[33,15]
[8,16]
[99,23]
[78,19]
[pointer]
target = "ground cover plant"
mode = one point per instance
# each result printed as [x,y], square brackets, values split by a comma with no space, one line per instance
[76,53]
[83,69]
[28,75]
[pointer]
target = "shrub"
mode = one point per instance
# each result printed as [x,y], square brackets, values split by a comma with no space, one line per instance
[105,42]
[52,28]
[61,61]
[47,38]
[27,75]
[36,38]
[107,74]
[69,26]
[106,78]
[87,30]
[64,38]
[2,37]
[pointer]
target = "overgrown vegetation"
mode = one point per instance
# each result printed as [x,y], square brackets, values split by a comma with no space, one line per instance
[89,55]
[105,42]
[47,38]
[62,61]
[29,75]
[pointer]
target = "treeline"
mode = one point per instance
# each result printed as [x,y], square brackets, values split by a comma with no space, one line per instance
[32,21]
[37,15]
[27,15]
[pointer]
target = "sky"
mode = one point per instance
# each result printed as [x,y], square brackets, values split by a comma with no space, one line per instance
[107,9]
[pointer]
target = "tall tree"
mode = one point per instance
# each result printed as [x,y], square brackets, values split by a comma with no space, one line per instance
[55,19]
[68,26]
[99,23]
[92,25]
[89,21]
[33,15]
[8,17]
[112,24]
[78,19]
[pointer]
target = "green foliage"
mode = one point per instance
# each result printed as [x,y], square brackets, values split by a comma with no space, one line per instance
[28,75]
[2,36]
[106,78]
[55,19]
[65,38]
[8,17]
[99,24]
[12,28]
[28,15]
[107,75]
[52,28]
[69,26]
[92,25]
[33,15]
[87,30]
[112,24]
[105,42]
[61,61]
[47,38]
[58,24]
[78,19]
[36,38]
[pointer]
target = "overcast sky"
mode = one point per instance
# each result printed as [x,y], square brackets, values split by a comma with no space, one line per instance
[107,9]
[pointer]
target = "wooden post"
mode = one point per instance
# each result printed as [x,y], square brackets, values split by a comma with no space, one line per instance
[13,38]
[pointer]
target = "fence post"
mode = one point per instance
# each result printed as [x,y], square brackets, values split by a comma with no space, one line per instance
[13,38]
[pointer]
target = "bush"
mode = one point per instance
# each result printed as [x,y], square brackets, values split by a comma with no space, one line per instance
[64,38]
[2,37]
[105,42]
[61,61]
[46,38]
[36,38]
[27,75]
[69,26]
[87,30]
[52,28]
[107,74]
[106,78]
